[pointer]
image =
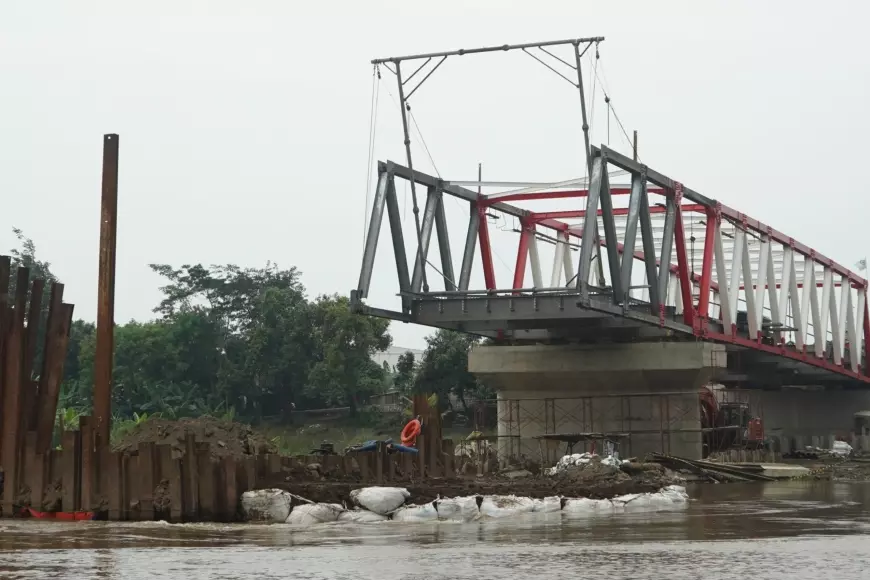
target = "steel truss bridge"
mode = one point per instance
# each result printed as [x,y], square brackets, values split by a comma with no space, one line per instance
[788,314]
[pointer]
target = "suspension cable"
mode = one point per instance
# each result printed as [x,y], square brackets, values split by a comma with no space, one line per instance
[373,114]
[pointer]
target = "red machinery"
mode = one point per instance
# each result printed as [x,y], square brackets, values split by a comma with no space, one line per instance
[728,425]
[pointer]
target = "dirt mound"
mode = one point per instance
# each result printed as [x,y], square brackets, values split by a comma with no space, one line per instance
[592,472]
[226,438]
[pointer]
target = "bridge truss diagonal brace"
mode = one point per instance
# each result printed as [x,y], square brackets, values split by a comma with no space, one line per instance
[385,198]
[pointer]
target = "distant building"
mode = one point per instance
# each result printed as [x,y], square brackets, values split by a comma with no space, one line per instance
[392,354]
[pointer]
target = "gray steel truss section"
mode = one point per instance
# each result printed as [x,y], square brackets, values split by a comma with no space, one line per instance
[610,234]
[444,245]
[649,243]
[667,247]
[470,247]
[395,218]
[374,232]
[433,198]
[638,189]
[588,239]
[668,184]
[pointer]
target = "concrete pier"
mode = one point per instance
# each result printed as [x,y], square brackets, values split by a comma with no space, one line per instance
[812,413]
[649,390]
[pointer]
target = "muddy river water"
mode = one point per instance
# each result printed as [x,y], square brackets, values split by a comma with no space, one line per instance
[818,530]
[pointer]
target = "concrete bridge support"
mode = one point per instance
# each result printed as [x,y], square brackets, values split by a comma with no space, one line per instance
[812,416]
[648,390]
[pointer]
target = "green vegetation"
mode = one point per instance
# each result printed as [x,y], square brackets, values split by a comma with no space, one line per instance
[248,343]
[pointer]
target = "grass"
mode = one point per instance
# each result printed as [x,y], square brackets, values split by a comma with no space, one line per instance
[302,440]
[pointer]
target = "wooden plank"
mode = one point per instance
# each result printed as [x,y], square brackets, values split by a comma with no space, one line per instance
[231,489]
[164,475]
[88,464]
[34,319]
[190,476]
[420,463]
[408,466]
[11,414]
[249,468]
[275,465]
[379,454]
[146,475]
[34,470]
[364,461]
[205,467]
[111,483]
[70,461]
[57,337]
[347,461]
[447,450]
[130,488]
[176,492]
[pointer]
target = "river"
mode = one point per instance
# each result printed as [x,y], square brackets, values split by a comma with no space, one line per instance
[794,530]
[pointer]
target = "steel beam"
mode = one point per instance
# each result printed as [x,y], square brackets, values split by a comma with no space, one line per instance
[610,235]
[395,217]
[470,247]
[589,227]
[105,343]
[422,254]
[501,48]
[374,232]
[444,245]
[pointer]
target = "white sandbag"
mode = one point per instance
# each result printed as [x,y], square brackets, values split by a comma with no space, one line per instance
[360,517]
[416,513]
[380,500]
[841,448]
[314,513]
[660,501]
[584,505]
[458,509]
[676,493]
[266,505]
[635,502]
[548,505]
[501,506]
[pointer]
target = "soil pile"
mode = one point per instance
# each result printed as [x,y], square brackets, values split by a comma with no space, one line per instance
[225,438]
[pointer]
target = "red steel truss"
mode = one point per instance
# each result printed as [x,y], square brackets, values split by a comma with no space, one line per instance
[748,285]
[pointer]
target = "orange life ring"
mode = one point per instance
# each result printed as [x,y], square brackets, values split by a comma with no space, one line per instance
[410,432]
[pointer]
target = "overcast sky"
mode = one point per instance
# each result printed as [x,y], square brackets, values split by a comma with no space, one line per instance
[244,124]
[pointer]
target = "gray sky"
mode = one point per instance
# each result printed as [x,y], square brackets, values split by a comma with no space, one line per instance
[244,124]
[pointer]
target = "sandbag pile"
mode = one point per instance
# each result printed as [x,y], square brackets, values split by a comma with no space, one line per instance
[380,504]
[581,460]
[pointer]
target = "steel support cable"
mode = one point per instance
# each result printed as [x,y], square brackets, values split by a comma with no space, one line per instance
[373,113]
[607,99]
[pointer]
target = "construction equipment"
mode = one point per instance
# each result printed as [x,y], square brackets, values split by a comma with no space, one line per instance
[728,424]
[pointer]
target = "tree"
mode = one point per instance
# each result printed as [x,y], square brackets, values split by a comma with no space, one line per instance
[404,376]
[444,368]
[343,372]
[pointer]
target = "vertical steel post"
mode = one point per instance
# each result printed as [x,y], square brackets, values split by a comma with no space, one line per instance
[106,291]
[595,237]
[411,167]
